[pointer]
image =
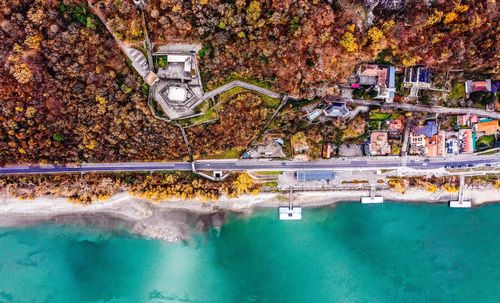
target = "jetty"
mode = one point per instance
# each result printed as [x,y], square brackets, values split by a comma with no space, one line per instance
[290,212]
[461,202]
[372,199]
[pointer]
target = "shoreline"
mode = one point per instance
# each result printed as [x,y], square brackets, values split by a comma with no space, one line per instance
[174,220]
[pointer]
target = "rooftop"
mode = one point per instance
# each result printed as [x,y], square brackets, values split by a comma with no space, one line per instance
[336,109]
[478,86]
[383,77]
[417,74]
[177,93]
[488,128]
[315,175]
[379,145]
[429,129]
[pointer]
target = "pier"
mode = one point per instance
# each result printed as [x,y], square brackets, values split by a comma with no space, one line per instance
[372,199]
[461,202]
[290,212]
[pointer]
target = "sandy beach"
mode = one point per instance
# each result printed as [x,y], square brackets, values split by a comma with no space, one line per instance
[172,220]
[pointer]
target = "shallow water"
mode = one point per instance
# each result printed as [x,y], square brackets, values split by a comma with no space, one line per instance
[393,252]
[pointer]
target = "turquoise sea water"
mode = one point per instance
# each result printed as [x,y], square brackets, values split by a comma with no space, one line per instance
[350,253]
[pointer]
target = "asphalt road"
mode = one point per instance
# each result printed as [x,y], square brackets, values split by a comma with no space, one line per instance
[427,109]
[365,163]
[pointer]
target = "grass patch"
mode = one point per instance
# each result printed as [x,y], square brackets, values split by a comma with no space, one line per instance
[144,89]
[271,184]
[374,124]
[162,61]
[296,104]
[485,141]
[230,93]
[271,102]
[491,152]
[379,116]
[210,114]
[268,101]
[233,153]
[268,173]
[457,92]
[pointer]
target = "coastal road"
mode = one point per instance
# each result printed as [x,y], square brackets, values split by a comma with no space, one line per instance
[364,163]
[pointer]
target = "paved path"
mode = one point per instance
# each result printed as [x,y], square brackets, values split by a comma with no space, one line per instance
[348,164]
[242,84]
[427,109]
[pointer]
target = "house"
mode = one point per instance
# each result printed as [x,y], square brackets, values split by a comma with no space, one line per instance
[429,129]
[487,128]
[434,146]
[478,86]
[184,60]
[315,175]
[482,86]
[417,144]
[336,109]
[426,140]
[396,126]
[467,120]
[379,144]
[467,141]
[383,78]
[417,77]
[313,115]
[270,149]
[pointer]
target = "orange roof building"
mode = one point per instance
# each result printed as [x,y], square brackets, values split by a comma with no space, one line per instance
[466,141]
[488,128]
[434,146]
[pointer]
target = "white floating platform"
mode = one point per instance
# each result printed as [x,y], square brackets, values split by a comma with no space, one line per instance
[370,200]
[290,214]
[458,204]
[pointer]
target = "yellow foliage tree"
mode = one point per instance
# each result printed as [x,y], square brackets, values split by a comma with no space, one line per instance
[388,25]
[431,187]
[243,184]
[22,73]
[497,185]
[435,17]
[375,34]
[461,8]
[450,188]
[101,104]
[450,17]
[253,11]
[409,60]
[36,16]
[397,185]
[349,42]
[33,42]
